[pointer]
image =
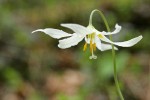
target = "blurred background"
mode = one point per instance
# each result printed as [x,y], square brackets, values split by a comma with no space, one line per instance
[32,67]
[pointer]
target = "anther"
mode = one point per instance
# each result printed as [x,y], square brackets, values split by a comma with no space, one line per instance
[85,47]
[91,46]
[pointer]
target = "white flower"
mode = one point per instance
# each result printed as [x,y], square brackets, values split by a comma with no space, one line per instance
[92,37]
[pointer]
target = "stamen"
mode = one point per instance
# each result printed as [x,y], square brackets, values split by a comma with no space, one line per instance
[91,46]
[85,47]
[89,35]
[100,36]
[91,39]
[94,46]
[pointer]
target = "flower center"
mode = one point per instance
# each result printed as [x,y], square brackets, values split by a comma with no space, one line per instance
[91,41]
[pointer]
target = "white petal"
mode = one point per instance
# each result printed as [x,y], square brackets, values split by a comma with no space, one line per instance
[55,33]
[87,40]
[128,43]
[102,46]
[117,30]
[71,41]
[107,47]
[78,28]
[98,43]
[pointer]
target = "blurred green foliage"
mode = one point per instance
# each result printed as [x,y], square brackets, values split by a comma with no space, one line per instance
[32,67]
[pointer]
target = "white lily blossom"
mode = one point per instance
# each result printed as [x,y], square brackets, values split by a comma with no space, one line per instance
[91,36]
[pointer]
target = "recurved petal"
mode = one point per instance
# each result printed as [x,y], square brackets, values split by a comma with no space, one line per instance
[71,41]
[117,30]
[55,33]
[128,43]
[107,47]
[102,46]
[79,29]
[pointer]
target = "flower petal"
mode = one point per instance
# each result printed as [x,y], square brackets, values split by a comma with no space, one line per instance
[102,46]
[107,47]
[128,43]
[55,33]
[98,43]
[71,41]
[78,28]
[117,30]
[87,40]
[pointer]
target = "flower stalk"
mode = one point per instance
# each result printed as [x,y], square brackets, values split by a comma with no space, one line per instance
[113,51]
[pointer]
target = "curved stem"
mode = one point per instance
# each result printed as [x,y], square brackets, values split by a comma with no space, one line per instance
[113,51]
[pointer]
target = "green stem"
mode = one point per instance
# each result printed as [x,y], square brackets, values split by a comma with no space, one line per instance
[113,51]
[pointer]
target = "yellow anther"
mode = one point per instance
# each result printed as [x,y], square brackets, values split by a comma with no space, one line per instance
[91,46]
[94,47]
[100,36]
[85,47]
